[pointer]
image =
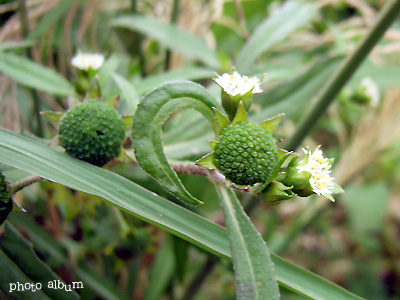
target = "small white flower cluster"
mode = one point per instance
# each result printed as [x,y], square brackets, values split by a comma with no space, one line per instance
[86,61]
[371,90]
[235,84]
[320,168]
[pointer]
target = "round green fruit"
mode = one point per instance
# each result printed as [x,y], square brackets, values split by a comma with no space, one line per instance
[5,199]
[246,153]
[92,131]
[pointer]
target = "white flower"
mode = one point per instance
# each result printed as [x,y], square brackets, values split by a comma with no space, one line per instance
[320,168]
[371,90]
[86,61]
[235,84]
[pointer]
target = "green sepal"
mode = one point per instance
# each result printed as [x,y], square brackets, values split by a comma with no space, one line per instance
[241,114]
[337,189]
[329,197]
[72,101]
[221,119]
[230,103]
[276,192]
[52,116]
[275,172]
[128,119]
[271,124]
[207,161]
[212,144]
[114,102]
[94,91]
[282,153]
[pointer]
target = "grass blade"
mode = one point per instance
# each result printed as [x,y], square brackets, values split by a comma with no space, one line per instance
[171,36]
[35,158]
[254,270]
[29,73]
[275,29]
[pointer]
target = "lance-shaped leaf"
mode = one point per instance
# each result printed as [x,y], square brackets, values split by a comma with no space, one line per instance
[254,270]
[153,110]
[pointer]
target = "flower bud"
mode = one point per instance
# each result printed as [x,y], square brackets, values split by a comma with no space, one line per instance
[236,88]
[276,192]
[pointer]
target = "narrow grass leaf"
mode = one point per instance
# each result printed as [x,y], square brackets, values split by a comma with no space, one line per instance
[51,248]
[20,252]
[31,74]
[36,158]
[129,92]
[284,20]
[254,270]
[172,37]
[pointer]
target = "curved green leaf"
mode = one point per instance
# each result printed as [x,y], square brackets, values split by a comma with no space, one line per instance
[275,29]
[31,74]
[171,36]
[35,158]
[153,110]
[254,270]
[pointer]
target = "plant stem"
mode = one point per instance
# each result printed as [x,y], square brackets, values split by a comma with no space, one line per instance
[24,20]
[174,18]
[198,280]
[328,93]
[138,43]
[19,185]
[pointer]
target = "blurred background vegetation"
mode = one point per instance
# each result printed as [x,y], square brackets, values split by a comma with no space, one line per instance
[354,242]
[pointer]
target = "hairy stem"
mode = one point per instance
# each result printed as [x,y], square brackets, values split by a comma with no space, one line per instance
[333,86]
[19,185]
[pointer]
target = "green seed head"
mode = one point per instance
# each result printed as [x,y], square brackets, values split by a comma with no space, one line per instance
[5,199]
[92,131]
[246,153]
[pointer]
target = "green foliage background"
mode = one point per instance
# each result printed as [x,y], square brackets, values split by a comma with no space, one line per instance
[131,253]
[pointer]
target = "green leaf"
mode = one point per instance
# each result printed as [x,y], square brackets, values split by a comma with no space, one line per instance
[128,91]
[10,273]
[153,110]
[108,68]
[50,18]
[51,248]
[162,271]
[292,97]
[273,30]
[35,158]
[254,270]
[29,73]
[193,73]
[20,252]
[172,37]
